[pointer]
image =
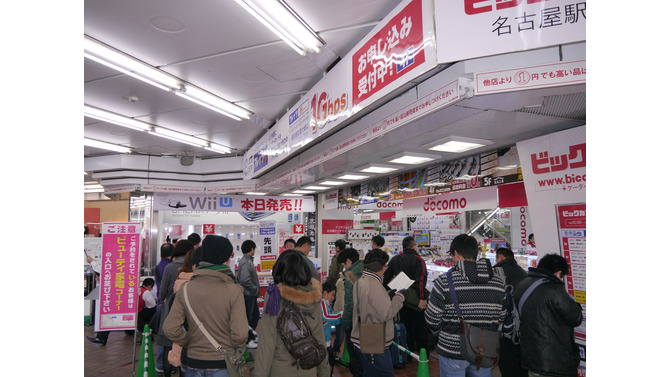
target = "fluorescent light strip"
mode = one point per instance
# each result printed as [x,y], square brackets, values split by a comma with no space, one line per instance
[178,136]
[203,104]
[218,148]
[115,118]
[124,63]
[196,94]
[302,192]
[284,24]
[107,146]
[255,193]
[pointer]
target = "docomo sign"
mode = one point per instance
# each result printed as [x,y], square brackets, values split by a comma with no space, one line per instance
[483,198]
[382,205]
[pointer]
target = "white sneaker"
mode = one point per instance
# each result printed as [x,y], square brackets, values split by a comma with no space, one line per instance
[252,345]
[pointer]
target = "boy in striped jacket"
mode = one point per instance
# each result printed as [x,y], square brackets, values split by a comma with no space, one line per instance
[329,318]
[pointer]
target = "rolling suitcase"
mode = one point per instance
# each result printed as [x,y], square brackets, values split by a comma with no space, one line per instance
[398,357]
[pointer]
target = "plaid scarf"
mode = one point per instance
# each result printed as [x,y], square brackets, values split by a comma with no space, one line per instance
[224,269]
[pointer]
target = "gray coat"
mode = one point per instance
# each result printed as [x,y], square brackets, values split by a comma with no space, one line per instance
[247,276]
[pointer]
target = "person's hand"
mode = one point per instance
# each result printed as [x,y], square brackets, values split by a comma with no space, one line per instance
[423,304]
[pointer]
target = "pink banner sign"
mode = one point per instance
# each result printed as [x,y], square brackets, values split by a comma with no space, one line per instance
[116,309]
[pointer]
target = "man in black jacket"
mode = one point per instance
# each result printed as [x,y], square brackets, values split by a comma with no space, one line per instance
[548,319]
[411,314]
[510,359]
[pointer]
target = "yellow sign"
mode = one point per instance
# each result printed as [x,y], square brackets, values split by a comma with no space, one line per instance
[580,297]
[266,265]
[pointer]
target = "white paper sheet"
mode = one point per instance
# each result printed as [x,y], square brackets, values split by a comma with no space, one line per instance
[401,281]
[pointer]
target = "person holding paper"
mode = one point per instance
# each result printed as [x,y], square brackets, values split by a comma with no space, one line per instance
[411,314]
[372,304]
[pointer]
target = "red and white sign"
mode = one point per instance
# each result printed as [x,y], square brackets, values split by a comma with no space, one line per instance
[116,309]
[395,50]
[539,76]
[208,229]
[459,201]
[298,229]
[467,29]
[232,203]
[336,226]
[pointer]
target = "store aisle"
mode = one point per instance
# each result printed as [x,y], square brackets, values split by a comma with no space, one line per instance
[116,359]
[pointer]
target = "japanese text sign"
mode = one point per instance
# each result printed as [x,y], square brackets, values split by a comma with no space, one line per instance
[268,249]
[233,203]
[540,76]
[468,29]
[392,52]
[116,309]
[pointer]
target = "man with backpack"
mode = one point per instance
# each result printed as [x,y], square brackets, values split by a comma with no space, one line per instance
[548,318]
[480,290]
[510,360]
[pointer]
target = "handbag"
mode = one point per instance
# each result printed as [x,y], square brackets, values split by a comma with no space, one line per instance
[235,362]
[372,336]
[480,347]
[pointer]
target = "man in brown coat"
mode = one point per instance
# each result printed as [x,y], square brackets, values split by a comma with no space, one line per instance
[217,301]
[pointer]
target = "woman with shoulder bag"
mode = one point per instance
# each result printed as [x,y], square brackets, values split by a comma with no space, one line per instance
[373,315]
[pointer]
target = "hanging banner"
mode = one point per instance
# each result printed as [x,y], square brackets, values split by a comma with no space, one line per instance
[467,29]
[554,172]
[116,309]
[232,203]
[533,77]
[460,201]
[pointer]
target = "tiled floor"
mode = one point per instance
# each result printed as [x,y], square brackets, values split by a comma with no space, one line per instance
[116,359]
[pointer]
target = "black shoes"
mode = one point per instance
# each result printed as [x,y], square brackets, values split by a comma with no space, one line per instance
[97,340]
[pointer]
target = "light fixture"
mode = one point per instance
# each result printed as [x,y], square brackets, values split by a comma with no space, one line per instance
[377,169]
[353,176]
[121,62]
[178,136]
[104,115]
[457,144]
[303,192]
[115,59]
[218,148]
[290,194]
[331,183]
[107,146]
[315,187]
[255,193]
[210,101]
[277,16]
[411,158]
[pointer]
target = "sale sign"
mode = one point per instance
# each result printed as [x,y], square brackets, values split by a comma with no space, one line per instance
[116,309]
[391,53]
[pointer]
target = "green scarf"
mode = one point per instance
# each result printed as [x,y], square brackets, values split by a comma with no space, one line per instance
[224,269]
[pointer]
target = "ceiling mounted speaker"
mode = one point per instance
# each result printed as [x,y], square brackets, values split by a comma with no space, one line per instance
[186,160]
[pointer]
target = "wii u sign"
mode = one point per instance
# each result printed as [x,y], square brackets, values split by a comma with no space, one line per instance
[232,203]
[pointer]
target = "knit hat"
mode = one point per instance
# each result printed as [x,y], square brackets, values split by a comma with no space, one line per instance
[216,249]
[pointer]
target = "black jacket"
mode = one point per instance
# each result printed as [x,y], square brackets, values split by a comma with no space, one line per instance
[413,266]
[513,272]
[548,320]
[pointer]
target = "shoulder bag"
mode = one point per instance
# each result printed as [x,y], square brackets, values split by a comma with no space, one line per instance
[479,347]
[235,363]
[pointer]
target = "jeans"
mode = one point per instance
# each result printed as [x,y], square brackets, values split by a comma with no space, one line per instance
[253,313]
[461,368]
[355,366]
[190,372]
[339,334]
[378,365]
[159,357]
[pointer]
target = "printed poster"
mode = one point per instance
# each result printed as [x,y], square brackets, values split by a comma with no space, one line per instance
[116,309]
[268,247]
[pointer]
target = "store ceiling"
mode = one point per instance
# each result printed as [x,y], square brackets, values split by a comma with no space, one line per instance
[219,47]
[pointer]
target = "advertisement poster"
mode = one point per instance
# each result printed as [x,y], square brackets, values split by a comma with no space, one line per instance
[467,29]
[572,231]
[232,203]
[116,309]
[268,248]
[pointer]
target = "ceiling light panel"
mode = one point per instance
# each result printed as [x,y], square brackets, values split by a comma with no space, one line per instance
[457,144]
[331,183]
[353,176]
[377,169]
[107,146]
[410,158]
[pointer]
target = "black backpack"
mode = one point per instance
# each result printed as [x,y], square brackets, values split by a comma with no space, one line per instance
[298,338]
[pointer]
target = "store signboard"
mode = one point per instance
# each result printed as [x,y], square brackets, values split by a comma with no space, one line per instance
[460,201]
[116,309]
[533,77]
[554,172]
[336,226]
[467,29]
[171,189]
[520,228]
[232,203]
[208,229]
[400,48]
[268,248]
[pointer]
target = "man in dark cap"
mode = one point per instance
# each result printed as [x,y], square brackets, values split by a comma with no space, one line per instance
[217,301]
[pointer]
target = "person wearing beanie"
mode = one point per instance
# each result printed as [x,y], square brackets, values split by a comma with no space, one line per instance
[372,304]
[218,302]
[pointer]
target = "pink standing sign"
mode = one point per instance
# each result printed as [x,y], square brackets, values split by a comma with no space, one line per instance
[116,309]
